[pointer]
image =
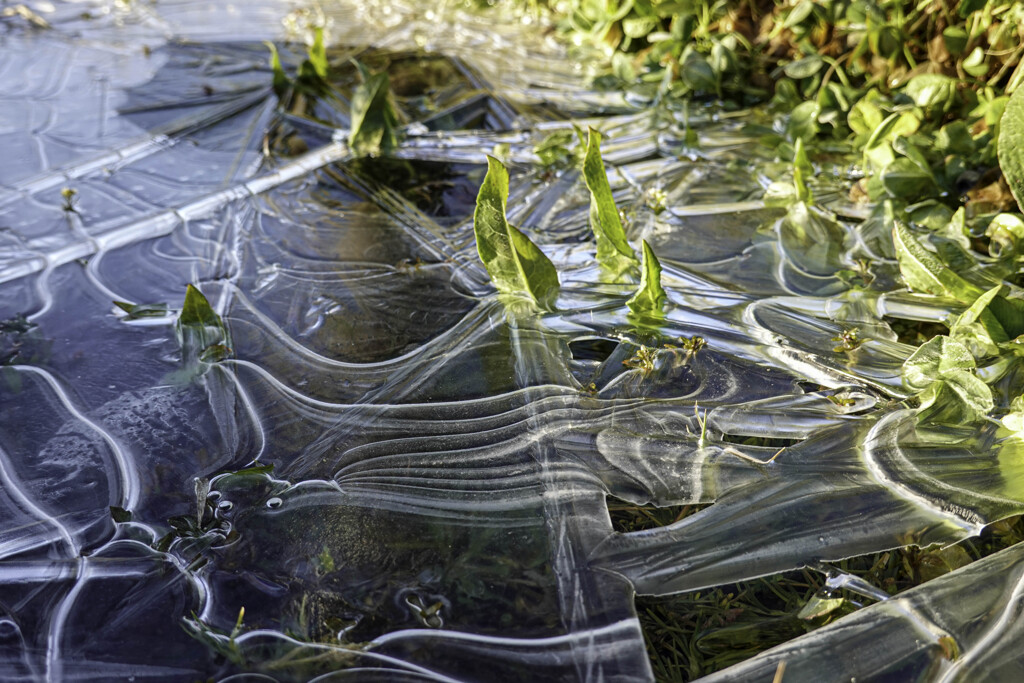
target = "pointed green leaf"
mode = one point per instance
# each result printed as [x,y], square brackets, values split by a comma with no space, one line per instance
[318,53]
[613,251]
[313,71]
[650,297]
[975,310]
[516,265]
[199,328]
[197,310]
[1011,145]
[977,328]
[137,311]
[819,607]
[374,124]
[924,272]
[281,82]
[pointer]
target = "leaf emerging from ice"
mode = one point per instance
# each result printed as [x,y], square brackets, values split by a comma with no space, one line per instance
[516,265]
[613,250]
[374,127]
[650,298]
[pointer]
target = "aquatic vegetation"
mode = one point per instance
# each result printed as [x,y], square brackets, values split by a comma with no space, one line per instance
[650,297]
[374,128]
[516,265]
[613,251]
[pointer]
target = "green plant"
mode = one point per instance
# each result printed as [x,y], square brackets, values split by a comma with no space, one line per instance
[374,124]
[516,265]
[200,331]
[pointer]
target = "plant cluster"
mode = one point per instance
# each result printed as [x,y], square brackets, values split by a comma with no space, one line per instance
[517,266]
[373,121]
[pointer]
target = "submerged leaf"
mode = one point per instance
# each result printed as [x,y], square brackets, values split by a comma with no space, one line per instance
[941,373]
[374,124]
[1011,145]
[516,265]
[199,328]
[819,607]
[137,311]
[197,310]
[650,298]
[924,272]
[613,250]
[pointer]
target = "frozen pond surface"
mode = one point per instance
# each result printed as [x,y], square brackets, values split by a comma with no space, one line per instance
[398,475]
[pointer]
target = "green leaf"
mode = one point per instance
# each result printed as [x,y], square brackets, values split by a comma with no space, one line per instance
[956,39]
[638,27]
[977,329]
[967,7]
[318,54]
[877,151]
[800,12]
[1014,420]
[941,373]
[1006,236]
[924,272]
[120,515]
[1011,145]
[650,297]
[804,68]
[312,76]
[556,149]
[138,311]
[374,126]
[723,59]
[199,328]
[516,265]
[955,138]
[197,310]
[976,65]
[613,250]
[803,121]
[281,82]
[801,168]
[819,607]
[698,74]
[905,179]
[864,117]
[932,92]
